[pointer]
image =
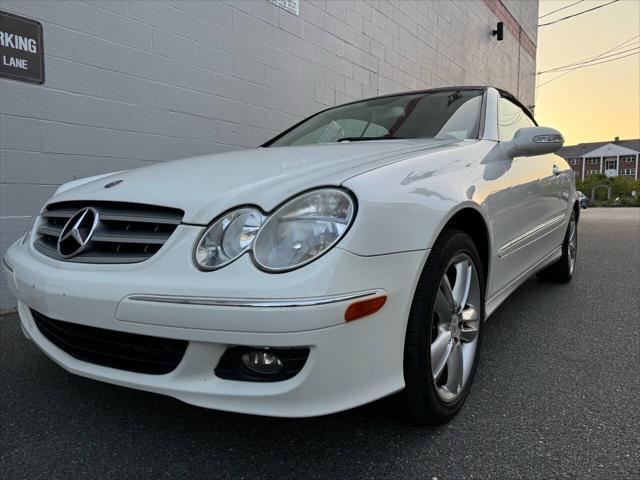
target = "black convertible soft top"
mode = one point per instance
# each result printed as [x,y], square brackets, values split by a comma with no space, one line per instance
[483,88]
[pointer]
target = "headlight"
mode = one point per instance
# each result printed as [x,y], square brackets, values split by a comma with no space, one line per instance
[228,238]
[303,229]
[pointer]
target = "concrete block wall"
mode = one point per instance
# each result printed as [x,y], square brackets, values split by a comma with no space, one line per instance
[525,14]
[134,82]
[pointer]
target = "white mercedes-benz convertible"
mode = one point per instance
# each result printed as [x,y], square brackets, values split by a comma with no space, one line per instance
[355,255]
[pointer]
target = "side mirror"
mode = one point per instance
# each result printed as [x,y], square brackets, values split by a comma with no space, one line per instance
[530,141]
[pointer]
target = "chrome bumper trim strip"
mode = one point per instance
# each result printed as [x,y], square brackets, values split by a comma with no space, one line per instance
[256,302]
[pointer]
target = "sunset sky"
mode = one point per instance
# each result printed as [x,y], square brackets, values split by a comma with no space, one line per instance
[595,103]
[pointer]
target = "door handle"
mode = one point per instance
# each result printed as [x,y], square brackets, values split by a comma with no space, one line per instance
[556,171]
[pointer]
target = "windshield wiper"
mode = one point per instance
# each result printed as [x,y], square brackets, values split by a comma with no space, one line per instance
[364,139]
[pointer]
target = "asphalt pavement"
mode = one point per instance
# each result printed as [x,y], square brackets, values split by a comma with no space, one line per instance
[556,395]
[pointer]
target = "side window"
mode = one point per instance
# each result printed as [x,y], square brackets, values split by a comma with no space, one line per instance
[511,118]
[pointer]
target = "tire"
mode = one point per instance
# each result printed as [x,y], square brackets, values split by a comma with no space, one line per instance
[428,372]
[562,270]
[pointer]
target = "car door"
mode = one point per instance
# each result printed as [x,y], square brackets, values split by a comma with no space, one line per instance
[529,192]
[555,186]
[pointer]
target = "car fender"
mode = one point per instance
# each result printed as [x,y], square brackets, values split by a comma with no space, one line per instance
[404,207]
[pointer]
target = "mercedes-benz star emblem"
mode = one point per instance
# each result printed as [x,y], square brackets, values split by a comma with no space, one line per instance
[76,234]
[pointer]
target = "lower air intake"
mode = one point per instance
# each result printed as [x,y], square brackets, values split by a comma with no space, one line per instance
[109,348]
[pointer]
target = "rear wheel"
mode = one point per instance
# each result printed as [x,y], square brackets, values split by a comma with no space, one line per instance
[562,270]
[443,339]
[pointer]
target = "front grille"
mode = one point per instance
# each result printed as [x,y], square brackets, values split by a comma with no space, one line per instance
[124,351]
[126,233]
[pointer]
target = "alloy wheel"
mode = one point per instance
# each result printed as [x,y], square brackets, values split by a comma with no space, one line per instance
[455,327]
[573,244]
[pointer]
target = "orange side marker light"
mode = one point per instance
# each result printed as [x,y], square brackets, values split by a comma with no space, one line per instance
[363,308]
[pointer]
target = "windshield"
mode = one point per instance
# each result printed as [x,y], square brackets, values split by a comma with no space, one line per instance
[445,114]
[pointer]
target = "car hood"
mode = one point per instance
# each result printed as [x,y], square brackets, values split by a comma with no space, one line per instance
[203,187]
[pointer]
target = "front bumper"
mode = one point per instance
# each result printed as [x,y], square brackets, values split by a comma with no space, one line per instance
[349,364]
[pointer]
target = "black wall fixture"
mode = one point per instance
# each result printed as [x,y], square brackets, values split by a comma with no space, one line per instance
[499,31]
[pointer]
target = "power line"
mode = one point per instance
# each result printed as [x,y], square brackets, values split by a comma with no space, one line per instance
[576,14]
[562,8]
[591,59]
[562,75]
[582,62]
[598,63]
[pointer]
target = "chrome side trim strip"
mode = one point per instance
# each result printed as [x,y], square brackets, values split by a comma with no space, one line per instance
[255,302]
[6,265]
[529,233]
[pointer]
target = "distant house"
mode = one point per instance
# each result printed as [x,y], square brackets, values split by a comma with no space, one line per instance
[619,157]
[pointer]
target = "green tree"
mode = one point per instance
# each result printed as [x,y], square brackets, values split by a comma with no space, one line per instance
[586,185]
[622,186]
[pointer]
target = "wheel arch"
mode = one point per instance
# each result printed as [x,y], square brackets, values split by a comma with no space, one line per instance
[469,219]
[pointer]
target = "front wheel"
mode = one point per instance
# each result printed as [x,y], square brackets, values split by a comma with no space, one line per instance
[442,344]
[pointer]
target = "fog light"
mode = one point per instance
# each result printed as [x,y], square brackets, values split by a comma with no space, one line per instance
[262,362]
